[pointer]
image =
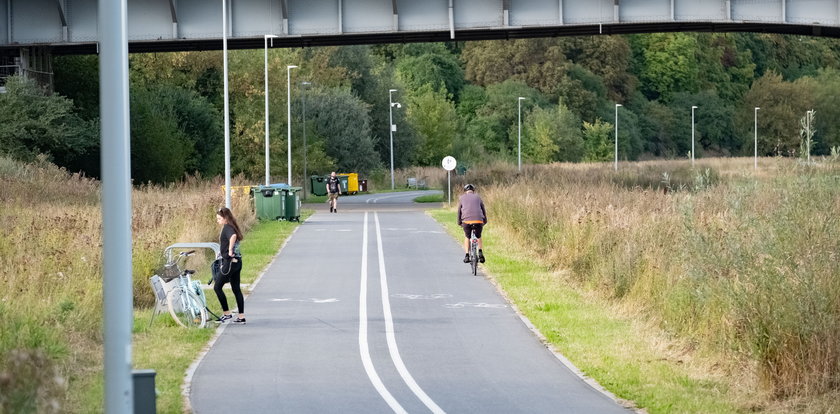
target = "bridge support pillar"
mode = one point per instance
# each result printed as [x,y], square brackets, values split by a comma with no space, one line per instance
[36,63]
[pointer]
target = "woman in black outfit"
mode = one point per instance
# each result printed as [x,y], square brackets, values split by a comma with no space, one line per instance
[231,264]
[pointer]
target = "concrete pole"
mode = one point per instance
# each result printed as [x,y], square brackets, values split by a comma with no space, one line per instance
[267,173]
[809,115]
[117,296]
[289,120]
[755,153]
[305,150]
[692,135]
[227,106]
[519,135]
[616,136]
[391,131]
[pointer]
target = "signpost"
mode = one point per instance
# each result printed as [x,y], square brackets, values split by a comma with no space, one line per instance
[449,164]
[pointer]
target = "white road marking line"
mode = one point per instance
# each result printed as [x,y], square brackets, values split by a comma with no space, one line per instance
[364,350]
[413,296]
[311,300]
[375,200]
[461,305]
[389,329]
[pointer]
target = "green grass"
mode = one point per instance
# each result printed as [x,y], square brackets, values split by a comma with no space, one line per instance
[314,199]
[431,198]
[614,350]
[170,349]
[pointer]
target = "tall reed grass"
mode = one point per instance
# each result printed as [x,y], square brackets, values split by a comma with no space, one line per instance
[51,270]
[738,262]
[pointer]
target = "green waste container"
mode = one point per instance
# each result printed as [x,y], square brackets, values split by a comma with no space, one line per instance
[292,196]
[344,181]
[269,203]
[318,185]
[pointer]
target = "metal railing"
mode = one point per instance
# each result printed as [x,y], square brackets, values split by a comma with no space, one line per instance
[6,71]
[45,79]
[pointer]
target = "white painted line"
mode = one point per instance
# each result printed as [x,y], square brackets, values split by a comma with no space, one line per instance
[461,305]
[310,300]
[389,327]
[364,350]
[413,296]
[375,200]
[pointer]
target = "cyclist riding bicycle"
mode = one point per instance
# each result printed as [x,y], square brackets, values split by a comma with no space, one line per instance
[472,217]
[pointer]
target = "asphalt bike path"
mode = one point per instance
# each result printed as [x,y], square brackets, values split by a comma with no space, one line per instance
[372,311]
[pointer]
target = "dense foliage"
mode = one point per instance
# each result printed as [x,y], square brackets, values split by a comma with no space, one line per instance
[456,99]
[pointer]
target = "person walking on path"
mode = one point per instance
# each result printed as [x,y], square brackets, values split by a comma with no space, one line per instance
[472,217]
[231,266]
[333,190]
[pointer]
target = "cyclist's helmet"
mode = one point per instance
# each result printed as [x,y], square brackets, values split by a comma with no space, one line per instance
[469,187]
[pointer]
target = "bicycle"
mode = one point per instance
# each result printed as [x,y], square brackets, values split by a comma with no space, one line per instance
[474,253]
[186,301]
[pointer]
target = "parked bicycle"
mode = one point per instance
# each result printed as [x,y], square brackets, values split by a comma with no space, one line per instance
[186,301]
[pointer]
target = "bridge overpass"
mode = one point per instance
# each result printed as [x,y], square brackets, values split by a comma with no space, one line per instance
[70,26]
[31,31]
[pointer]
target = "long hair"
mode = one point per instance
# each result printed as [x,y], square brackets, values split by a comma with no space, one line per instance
[226,214]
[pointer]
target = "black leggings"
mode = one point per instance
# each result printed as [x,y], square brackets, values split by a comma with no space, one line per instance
[233,278]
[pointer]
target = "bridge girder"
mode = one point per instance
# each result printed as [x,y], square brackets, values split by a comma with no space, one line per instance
[69,26]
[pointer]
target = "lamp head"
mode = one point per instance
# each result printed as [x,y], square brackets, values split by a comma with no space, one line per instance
[522,99]
[693,107]
[306,83]
[396,105]
[291,67]
[392,90]
[270,36]
[617,105]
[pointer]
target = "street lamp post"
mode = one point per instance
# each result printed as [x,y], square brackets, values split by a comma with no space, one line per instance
[227,107]
[117,298]
[289,120]
[391,129]
[808,116]
[519,136]
[267,179]
[305,180]
[692,135]
[616,135]
[755,129]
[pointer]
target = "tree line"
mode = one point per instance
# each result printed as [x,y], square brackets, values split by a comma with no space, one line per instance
[457,98]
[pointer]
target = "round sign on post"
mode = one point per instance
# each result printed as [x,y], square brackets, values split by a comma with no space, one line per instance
[449,163]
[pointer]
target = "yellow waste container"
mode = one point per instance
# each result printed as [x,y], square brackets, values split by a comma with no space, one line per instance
[352,182]
[241,189]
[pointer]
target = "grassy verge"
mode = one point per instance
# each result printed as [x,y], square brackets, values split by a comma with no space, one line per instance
[169,349]
[632,360]
[431,198]
[314,199]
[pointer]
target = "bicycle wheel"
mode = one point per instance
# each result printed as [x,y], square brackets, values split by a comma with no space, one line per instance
[473,259]
[186,308]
